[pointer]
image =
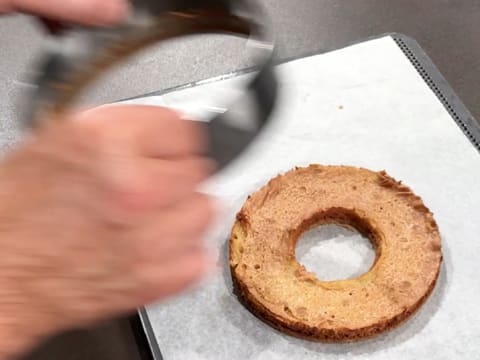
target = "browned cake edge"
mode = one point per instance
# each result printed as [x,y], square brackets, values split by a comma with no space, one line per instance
[299,330]
[302,331]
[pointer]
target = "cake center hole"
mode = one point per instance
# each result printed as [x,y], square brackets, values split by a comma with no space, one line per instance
[334,252]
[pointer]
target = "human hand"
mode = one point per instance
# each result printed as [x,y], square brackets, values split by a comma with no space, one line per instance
[86,12]
[98,215]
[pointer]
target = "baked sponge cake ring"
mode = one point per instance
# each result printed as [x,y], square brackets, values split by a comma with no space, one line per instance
[270,282]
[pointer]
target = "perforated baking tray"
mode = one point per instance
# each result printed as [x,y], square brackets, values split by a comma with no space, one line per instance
[141,322]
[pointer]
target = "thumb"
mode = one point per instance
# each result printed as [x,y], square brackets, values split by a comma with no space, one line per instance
[85,12]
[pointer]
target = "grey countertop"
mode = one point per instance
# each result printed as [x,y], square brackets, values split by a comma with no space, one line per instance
[446,29]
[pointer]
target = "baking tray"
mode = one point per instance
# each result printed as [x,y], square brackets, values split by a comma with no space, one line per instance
[141,324]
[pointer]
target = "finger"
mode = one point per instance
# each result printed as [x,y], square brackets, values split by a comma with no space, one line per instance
[174,231]
[166,279]
[172,181]
[136,187]
[86,12]
[154,131]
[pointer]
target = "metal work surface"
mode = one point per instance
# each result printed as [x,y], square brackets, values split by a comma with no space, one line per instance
[446,29]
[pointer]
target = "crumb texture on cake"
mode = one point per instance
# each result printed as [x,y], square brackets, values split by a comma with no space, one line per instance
[274,286]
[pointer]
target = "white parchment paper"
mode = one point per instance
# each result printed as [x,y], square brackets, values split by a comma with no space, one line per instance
[366,106]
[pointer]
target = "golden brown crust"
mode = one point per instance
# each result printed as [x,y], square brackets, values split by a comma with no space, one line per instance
[276,288]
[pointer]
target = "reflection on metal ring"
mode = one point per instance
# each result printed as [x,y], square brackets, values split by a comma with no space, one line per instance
[77,58]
